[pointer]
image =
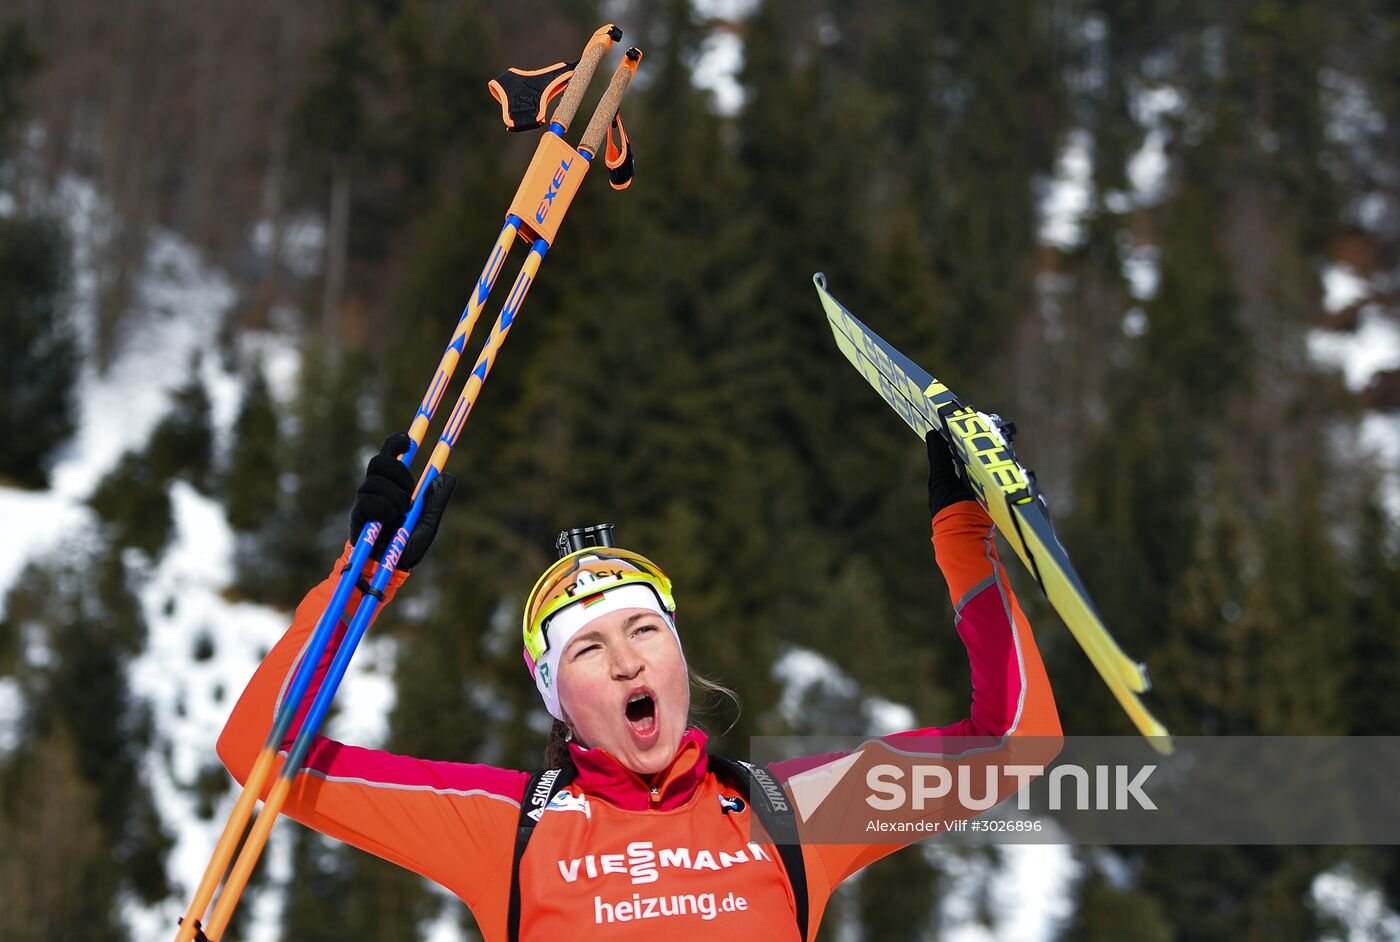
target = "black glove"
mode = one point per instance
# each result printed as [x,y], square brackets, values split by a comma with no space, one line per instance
[386,495]
[945,484]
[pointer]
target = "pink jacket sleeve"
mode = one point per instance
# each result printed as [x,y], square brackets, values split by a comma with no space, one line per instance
[452,822]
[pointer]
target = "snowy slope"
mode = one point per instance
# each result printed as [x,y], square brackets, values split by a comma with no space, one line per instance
[1356,127]
[178,306]
[1359,354]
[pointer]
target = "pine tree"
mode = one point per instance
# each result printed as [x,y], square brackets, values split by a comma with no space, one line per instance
[1002,105]
[251,484]
[1218,497]
[1375,615]
[333,129]
[82,723]
[39,358]
[133,501]
[341,893]
[325,465]
[55,875]
[1106,912]
[433,133]
[19,61]
[1135,521]
[897,897]
[182,444]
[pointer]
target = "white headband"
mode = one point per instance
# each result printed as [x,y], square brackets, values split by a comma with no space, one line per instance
[561,628]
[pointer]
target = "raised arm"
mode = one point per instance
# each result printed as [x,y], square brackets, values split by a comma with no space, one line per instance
[451,822]
[1010,691]
[1011,718]
[444,820]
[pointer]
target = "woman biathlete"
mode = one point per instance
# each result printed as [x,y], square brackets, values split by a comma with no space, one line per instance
[644,832]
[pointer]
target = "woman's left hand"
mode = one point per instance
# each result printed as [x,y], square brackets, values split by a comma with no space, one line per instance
[386,495]
[946,485]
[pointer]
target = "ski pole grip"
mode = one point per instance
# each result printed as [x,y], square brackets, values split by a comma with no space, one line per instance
[612,99]
[598,45]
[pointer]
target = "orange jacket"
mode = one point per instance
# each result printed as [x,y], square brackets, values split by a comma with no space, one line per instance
[624,858]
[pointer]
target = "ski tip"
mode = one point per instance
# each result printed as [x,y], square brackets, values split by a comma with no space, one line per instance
[819,279]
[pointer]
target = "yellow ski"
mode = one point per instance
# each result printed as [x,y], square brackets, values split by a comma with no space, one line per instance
[1006,489]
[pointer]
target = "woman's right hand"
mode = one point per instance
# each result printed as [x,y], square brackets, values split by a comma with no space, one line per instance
[386,495]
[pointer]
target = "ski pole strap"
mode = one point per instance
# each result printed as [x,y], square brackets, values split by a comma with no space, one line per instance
[367,589]
[363,585]
[524,96]
[618,158]
[774,809]
[199,935]
[539,792]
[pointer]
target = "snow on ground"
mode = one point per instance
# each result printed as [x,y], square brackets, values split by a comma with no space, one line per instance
[177,309]
[1029,888]
[1065,198]
[1141,269]
[1029,892]
[1149,172]
[11,708]
[1380,436]
[1148,168]
[1352,116]
[716,68]
[1033,893]
[1359,354]
[178,306]
[1356,127]
[303,243]
[1342,287]
[35,521]
[185,609]
[190,697]
[800,670]
[1355,902]
[445,926]
[887,717]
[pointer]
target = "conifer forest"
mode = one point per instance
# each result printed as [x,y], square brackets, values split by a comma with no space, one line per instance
[1164,238]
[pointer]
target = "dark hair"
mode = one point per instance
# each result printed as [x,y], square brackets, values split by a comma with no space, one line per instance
[556,751]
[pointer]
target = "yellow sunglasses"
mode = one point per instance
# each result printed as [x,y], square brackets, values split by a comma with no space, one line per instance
[582,575]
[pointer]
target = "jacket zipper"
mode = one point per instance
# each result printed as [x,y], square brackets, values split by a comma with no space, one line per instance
[655,795]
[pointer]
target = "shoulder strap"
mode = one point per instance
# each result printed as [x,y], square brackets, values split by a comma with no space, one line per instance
[541,788]
[774,810]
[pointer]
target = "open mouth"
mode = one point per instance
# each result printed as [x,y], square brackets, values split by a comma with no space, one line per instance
[641,712]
